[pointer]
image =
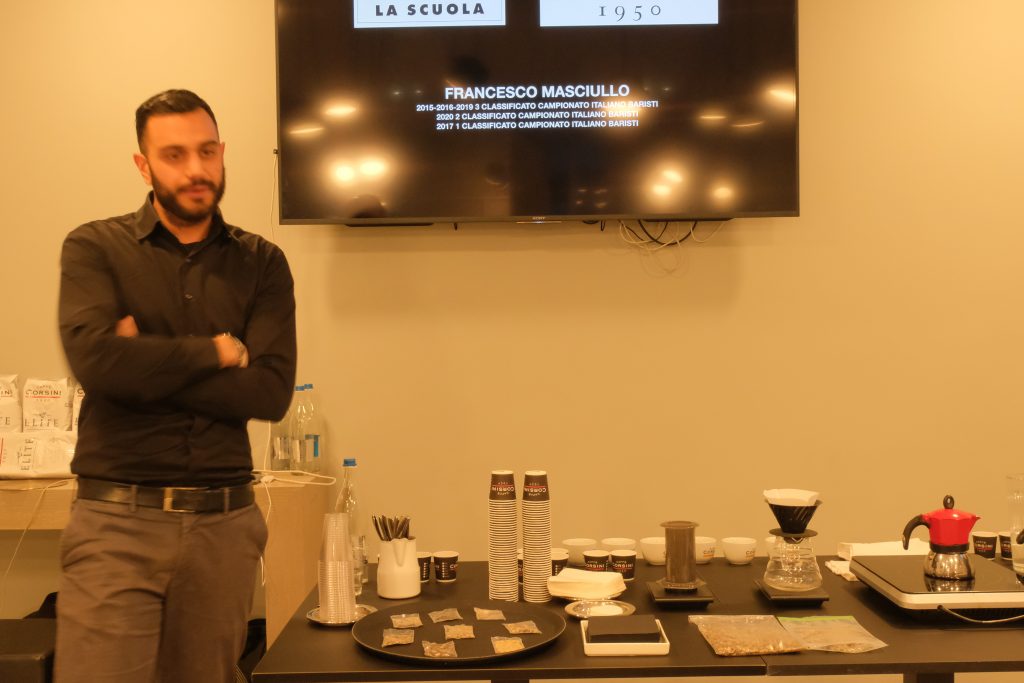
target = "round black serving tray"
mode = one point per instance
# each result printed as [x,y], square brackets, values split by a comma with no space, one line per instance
[368,632]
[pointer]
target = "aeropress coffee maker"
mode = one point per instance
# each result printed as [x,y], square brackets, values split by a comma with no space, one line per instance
[681,583]
[792,567]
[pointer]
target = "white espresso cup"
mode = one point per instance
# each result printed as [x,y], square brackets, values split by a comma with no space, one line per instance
[703,549]
[576,548]
[739,549]
[653,548]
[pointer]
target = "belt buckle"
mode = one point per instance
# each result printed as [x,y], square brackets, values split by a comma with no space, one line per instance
[168,505]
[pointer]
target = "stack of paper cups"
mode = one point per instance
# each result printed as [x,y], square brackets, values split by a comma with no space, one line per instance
[336,571]
[536,536]
[502,530]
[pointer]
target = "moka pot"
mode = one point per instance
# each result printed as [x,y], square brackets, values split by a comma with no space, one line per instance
[949,533]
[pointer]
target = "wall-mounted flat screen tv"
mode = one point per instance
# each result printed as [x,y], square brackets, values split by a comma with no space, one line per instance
[531,110]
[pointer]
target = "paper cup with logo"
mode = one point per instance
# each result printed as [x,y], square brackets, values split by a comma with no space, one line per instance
[1005,546]
[535,486]
[424,561]
[446,563]
[595,560]
[503,485]
[986,543]
[559,560]
[624,562]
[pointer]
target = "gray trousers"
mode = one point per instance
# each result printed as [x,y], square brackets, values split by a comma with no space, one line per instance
[149,596]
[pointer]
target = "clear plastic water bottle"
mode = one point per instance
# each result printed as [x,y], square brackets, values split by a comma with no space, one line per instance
[314,431]
[297,426]
[282,440]
[349,502]
[308,430]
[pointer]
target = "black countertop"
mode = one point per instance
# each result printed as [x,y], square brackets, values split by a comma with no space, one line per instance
[308,652]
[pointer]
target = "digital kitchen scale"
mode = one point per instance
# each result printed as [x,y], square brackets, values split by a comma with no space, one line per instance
[995,590]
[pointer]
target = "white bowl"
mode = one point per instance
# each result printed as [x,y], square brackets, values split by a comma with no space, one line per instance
[653,549]
[739,549]
[576,546]
[703,549]
[618,544]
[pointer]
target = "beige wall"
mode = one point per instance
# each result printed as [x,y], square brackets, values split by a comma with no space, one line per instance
[870,349]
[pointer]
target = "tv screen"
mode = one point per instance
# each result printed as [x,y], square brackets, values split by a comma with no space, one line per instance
[507,110]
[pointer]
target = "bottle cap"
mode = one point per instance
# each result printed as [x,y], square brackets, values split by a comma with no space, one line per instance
[300,387]
[349,462]
[309,385]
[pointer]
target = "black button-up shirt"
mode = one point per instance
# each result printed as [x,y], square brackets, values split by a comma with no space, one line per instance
[158,410]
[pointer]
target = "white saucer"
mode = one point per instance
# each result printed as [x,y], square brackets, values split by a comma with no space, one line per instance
[584,609]
[361,611]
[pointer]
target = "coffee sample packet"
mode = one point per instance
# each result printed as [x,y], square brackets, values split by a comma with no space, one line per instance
[445,649]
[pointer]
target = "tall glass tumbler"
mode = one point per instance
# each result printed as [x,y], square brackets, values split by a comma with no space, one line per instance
[1015,500]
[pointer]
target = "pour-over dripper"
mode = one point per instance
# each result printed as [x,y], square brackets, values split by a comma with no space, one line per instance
[793,519]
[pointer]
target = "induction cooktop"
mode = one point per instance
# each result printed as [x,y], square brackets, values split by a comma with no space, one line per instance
[901,579]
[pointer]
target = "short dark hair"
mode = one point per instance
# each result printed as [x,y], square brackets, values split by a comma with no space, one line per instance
[169,102]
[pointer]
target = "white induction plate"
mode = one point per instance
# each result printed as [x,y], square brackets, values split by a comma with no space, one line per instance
[901,579]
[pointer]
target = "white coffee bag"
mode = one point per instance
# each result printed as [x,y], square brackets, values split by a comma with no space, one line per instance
[76,406]
[36,454]
[10,404]
[46,405]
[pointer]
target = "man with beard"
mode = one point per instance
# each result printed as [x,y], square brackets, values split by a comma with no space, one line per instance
[180,327]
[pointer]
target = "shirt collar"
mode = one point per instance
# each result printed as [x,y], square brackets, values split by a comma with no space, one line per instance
[146,220]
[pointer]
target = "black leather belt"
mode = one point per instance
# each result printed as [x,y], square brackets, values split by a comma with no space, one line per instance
[168,498]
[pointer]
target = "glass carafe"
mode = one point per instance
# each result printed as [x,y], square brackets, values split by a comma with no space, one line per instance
[792,565]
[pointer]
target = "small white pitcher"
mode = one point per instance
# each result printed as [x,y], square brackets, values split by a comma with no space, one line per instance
[398,572]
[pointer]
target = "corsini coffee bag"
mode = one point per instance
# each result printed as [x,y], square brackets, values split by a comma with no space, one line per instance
[36,454]
[46,405]
[10,405]
[76,406]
